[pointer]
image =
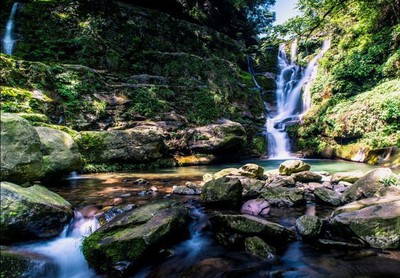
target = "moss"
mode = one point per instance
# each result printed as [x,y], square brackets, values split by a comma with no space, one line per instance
[12,265]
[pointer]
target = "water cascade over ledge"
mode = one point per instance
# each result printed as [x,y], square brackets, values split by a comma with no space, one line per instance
[9,40]
[293,98]
[64,251]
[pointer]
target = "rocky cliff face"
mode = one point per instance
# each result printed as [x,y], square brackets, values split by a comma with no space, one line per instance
[117,64]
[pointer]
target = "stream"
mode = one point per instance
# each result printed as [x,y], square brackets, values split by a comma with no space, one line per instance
[200,255]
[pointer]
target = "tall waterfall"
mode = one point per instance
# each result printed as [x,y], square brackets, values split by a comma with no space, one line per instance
[9,40]
[291,103]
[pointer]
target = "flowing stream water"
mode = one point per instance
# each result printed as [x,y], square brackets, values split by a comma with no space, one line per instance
[291,102]
[199,252]
[9,40]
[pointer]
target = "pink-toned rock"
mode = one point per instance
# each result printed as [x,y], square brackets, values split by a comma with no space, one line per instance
[255,207]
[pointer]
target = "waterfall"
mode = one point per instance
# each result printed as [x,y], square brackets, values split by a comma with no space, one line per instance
[64,251]
[291,103]
[8,40]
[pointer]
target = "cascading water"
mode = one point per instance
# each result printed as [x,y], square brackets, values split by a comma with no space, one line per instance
[9,40]
[64,251]
[290,104]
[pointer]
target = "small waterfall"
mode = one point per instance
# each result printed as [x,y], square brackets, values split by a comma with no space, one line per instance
[9,40]
[291,103]
[64,251]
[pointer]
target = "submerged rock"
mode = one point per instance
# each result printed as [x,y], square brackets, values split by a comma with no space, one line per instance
[367,186]
[374,220]
[31,213]
[225,192]
[118,247]
[21,158]
[289,167]
[60,153]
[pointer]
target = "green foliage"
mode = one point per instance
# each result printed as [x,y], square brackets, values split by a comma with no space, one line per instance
[391,180]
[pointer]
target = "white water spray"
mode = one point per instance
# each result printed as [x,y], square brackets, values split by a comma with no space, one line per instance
[291,103]
[9,40]
[64,251]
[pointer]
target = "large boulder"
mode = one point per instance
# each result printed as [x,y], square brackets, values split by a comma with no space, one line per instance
[367,186]
[283,196]
[121,245]
[21,159]
[258,247]
[60,153]
[31,213]
[135,145]
[374,220]
[289,167]
[225,192]
[216,138]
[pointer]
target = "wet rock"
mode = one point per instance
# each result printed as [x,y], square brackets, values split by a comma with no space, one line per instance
[247,225]
[141,182]
[256,207]
[289,167]
[210,267]
[252,171]
[282,181]
[251,184]
[21,158]
[309,227]
[327,197]
[109,213]
[367,186]
[257,247]
[327,243]
[307,176]
[18,264]
[350,177]
[133,237]
[374,220]
[184,190]
[225,192]
[60,152]
[31,213]
[283,197]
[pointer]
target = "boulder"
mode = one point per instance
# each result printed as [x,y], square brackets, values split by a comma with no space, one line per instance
[367,186]
[220,137]
[258,247]
[60,153]
[31,213]
[309,227]
[307,176]
[247,225]
[225,192]
[283,196]
[327,197]
[124,243]
[256,207]
[350,177]
[186,190]
[289,167]
[282,181]
[130,146]
[23,264]
[251,184]
[252,171]
[374,220]
[21,158]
